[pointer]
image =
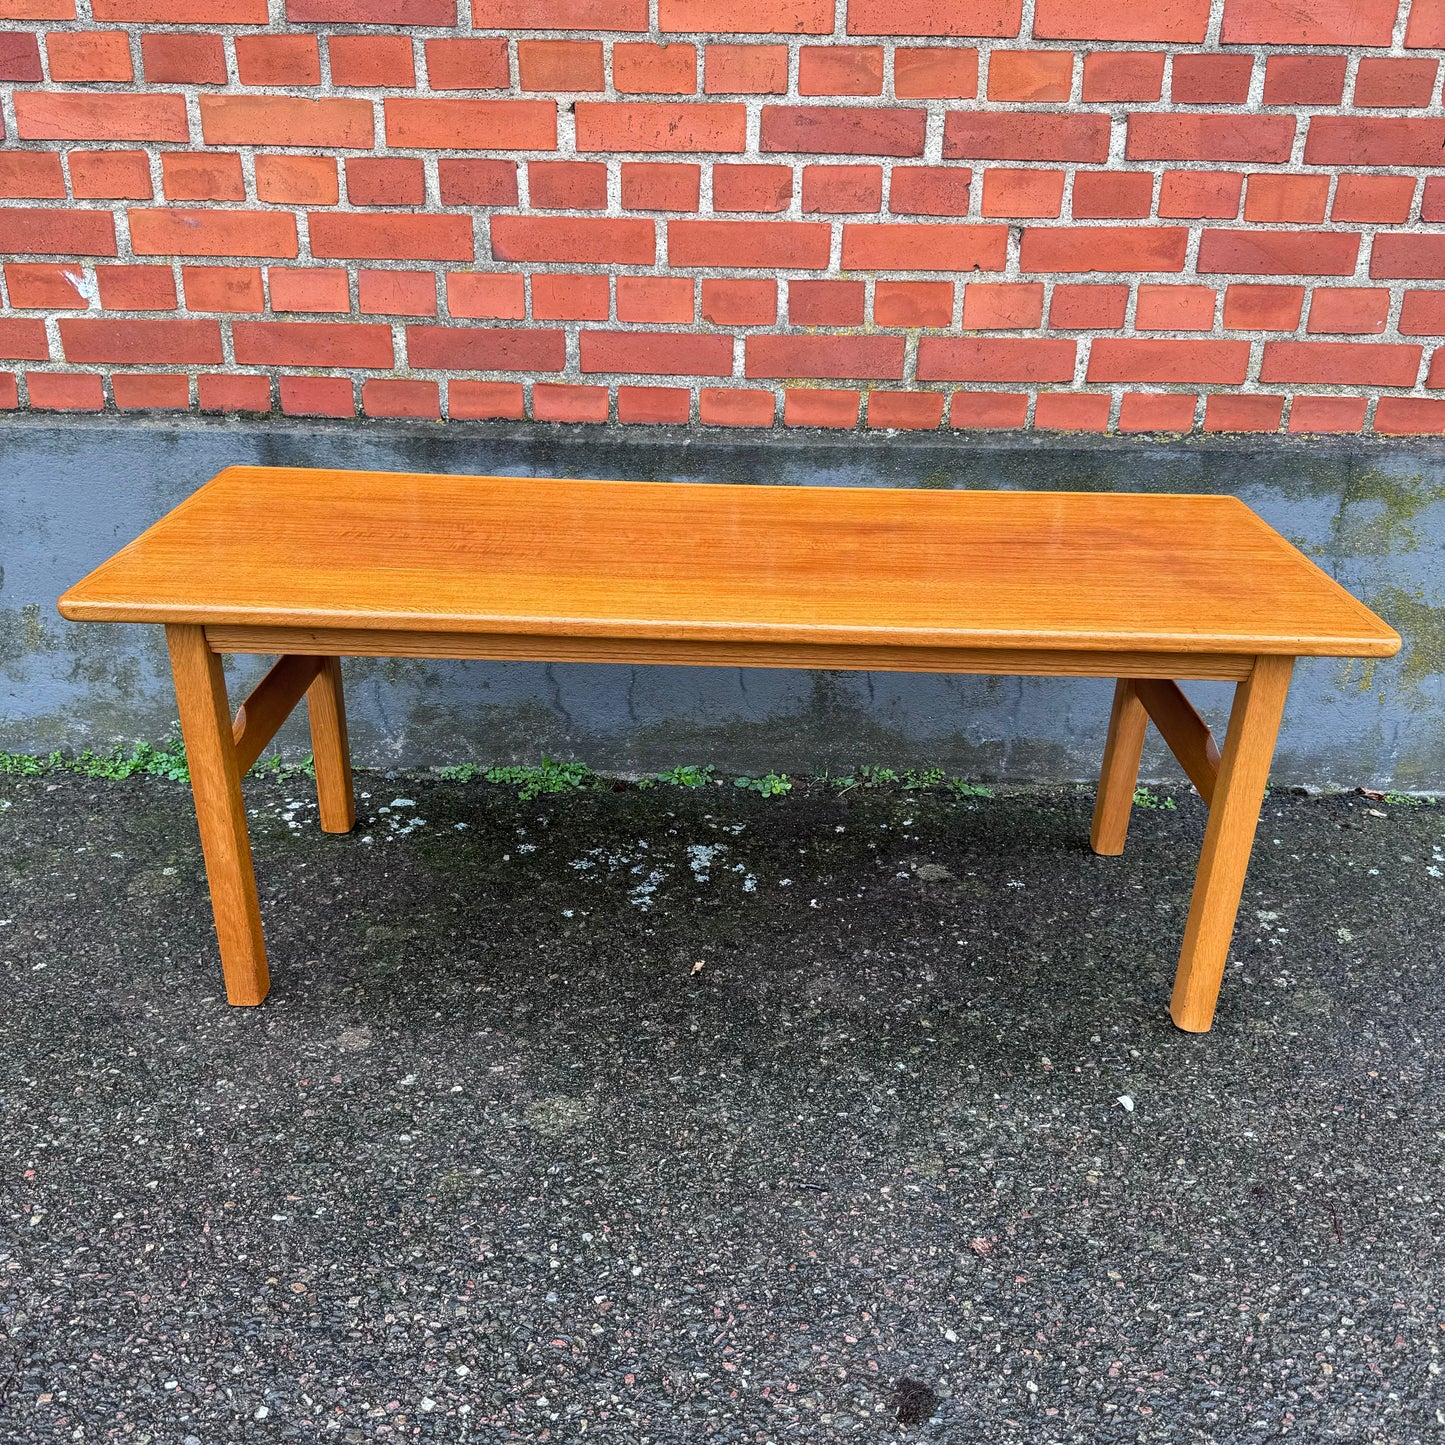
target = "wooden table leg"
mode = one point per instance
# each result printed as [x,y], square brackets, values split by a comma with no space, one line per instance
[220,812]
[330,749]
[1228,838]
[1119,776]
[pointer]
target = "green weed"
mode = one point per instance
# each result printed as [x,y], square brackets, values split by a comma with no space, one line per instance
[771,785]
[1143,798]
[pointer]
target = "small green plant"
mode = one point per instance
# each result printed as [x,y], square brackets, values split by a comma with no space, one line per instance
[21,765]
[460,773]
[875,777]
[914,778]
[166,761]
[687,775]
[961,789]
[1407,800]
[772,785]
[1143,798]
[547,776]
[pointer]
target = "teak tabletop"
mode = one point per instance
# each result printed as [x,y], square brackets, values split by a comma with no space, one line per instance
[315,565]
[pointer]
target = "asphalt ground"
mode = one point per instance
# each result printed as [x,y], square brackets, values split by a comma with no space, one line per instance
[679,1116]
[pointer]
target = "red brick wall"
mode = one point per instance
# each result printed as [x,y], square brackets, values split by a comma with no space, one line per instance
[1132,215]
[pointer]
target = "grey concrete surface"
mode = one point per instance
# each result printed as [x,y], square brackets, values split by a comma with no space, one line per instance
[664,1117]
[1372,514]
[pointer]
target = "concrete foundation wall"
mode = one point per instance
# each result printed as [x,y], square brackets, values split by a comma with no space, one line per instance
[1371,513]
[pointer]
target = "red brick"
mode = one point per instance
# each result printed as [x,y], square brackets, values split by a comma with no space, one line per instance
[1030,75]
[1003,305]
[656,299]
[1030,192]
[935,72]
[561,65]
[730,302]
[1166,136]
[751,188]
[1243,413]
[905,410]
[847,190]
[555,401]
[570,298]
[171,59]
[988,410]
[984,18]
[65,391]
[1088,308]
[37,9]
[923,246]
[879,357]
[487,295]
[1374,140]
[1373,199]
[385,181]
[1021,135]
[286,120]
[22,339]
[1427,25]
[232,289]
[822,407]
[1103,248]
[913,303]
[234,393]
[692,127]
[747,17]
[278,60]
[34,231]
[1174,308]
[20,57]
[45,287]
[653,404]
[1200,195]
[467,63]
[1211,79]
[1141,411]
[374,12]
[1398,256]
[929,190]
[840,70]
[313,343]
[32,175]
[486,348]
[1278,199]
[468,182]
[735,406]
[136,288]
[1071,411]
[996,358]
[383,237]
[1112,195]
[297,180]
[178,232]
[1422,313]
[317,396]
[1183,21]
[396,397]
[647,69]
[1349,310]
[842,130]
[1409,416]
[475,125]
[657,353]
[745,70]
[590,241]
[1113,75]
[1263,308]
[795,245]
[101,340]
[660,186]
[567,185]
[1397,83]
[1327,413]
[825,303]
[382,60]
[1320,22]
[79,55]
[56,115]
[202,176]
[397,293]
[1219,363]
[309,288]
[1304,79]
[110,175]
[1341,363]
[485,401]
[1278,253]
[150,392]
